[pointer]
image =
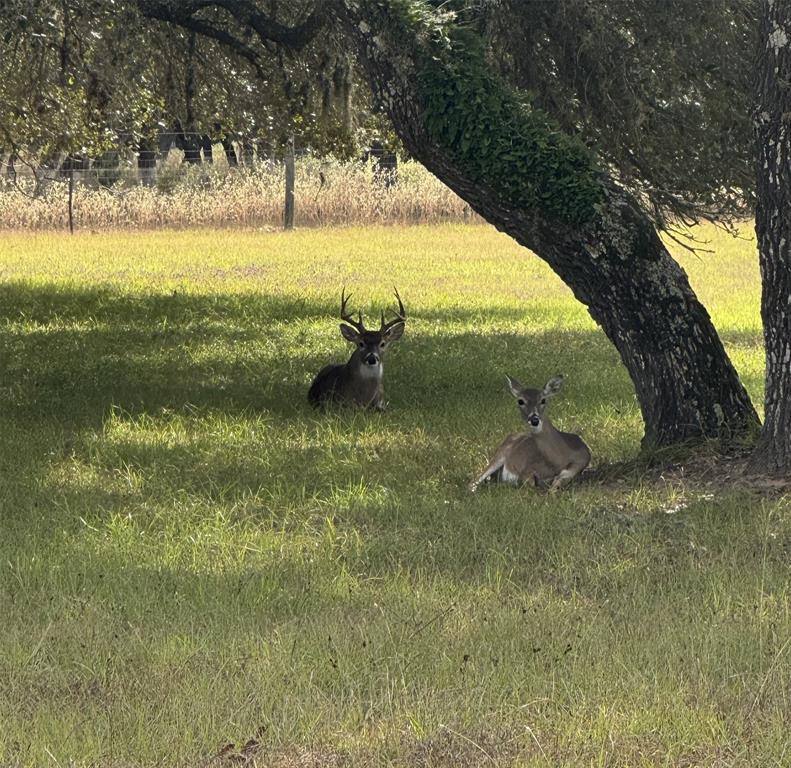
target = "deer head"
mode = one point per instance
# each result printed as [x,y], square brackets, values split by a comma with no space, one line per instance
[533,402]
[371,345]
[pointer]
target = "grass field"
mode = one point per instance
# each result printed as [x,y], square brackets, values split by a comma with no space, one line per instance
[191,558]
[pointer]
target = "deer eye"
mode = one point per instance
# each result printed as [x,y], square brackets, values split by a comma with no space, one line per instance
[520,401]
[381,345]
[543,401]
[360,344]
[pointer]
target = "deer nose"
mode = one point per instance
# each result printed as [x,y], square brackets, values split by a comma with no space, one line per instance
[371,360]
[534,420]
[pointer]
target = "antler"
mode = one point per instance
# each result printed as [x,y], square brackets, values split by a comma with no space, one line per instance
[347,318]
[401,315]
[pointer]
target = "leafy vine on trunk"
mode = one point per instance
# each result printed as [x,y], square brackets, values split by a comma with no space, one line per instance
[541,186]
[503,141]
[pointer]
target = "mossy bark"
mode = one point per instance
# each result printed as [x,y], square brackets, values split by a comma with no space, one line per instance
[597,240]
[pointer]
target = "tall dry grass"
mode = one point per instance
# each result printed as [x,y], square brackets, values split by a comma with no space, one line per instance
[212,196]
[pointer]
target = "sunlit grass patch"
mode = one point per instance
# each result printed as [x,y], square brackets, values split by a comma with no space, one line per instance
[191,556]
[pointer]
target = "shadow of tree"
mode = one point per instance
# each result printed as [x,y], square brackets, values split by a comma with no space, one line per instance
[75,352]
[79,362]
[174,510]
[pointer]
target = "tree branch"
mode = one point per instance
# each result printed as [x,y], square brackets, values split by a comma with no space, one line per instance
[227,39]
[181,16]
[267,29]
[245,13]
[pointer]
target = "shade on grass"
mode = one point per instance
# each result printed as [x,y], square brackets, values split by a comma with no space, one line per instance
[191,555]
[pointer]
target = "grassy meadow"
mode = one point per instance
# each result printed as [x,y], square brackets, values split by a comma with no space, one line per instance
[197,569]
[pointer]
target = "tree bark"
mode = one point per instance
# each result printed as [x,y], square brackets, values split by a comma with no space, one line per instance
[772,121]
[208,148]
[146,160]
[614,262]
[191,140]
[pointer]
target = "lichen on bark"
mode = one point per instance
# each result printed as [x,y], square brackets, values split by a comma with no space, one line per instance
[772,453]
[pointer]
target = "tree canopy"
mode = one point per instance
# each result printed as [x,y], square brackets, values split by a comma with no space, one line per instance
[79,76]
[660,91]
[640,83]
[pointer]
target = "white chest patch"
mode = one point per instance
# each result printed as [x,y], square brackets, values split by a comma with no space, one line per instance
[509,477]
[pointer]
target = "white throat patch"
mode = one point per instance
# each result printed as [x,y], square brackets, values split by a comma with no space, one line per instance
[371,371]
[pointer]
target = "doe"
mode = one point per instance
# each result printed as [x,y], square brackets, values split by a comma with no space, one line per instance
[359,381]
[542,454]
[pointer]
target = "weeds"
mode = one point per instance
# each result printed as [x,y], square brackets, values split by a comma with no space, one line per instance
[327,194]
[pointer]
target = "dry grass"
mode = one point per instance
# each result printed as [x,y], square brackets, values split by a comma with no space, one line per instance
[245,197]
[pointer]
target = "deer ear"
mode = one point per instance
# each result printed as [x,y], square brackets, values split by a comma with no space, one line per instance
[394,333]
[349,333]
[553,386]
[515,387]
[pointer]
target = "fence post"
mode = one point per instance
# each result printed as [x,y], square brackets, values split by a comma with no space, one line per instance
[71,201]
[288,218]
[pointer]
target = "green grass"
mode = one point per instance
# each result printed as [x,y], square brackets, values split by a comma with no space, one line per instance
[190,556]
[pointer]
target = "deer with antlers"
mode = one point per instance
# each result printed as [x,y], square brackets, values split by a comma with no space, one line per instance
[359,381]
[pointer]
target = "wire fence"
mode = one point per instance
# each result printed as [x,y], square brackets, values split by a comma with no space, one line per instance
[143,165]
[167,190]
[128,166]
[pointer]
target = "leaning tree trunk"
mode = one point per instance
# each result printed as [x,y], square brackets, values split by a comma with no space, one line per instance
[772,453]
[517,170]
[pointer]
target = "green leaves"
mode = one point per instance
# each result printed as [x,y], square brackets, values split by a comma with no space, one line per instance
[500,139]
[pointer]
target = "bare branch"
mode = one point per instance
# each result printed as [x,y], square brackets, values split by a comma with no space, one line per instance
[246,14]
[34,172]
[684,238]
[222,36]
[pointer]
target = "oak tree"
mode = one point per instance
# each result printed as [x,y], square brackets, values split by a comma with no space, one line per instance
[772,119]
[577,128]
